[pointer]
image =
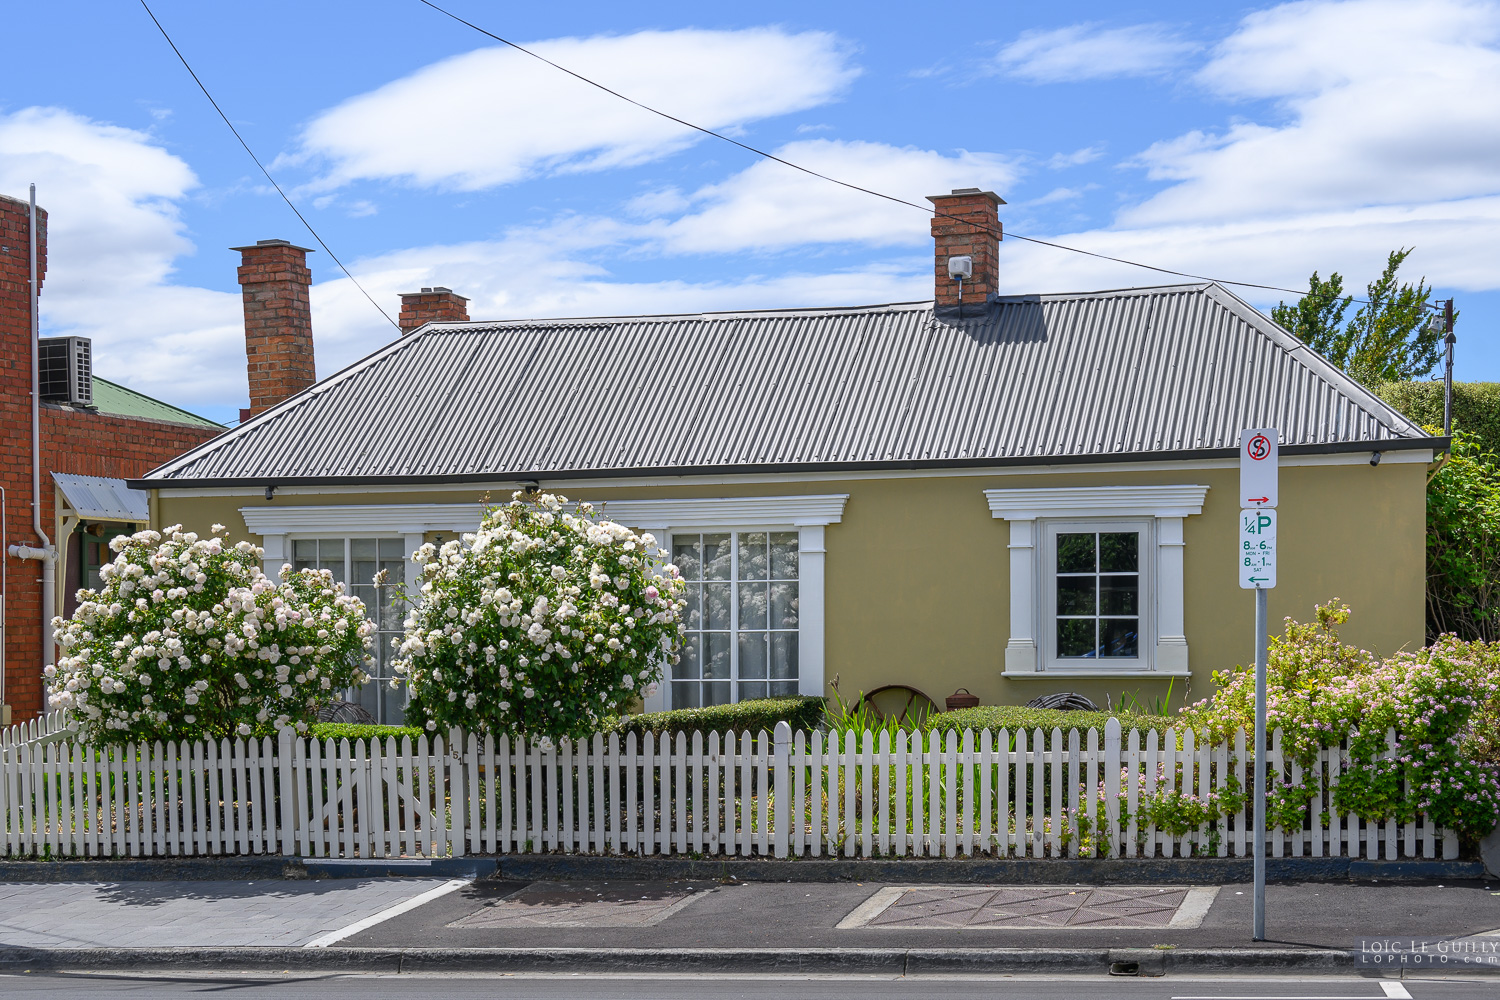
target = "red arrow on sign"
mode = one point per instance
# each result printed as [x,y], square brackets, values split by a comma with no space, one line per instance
[1258,499]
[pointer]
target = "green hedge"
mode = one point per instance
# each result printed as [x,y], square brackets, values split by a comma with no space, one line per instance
[804,713]
[1476,406]
[1014,717]
[359,731]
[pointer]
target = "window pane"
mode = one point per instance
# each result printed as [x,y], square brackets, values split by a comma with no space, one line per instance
[1075,595]
[784,555]
[783,605]
[783,655]
[331,557]
[1118,595]
[687,667]
[753,600]
[754,689]
[1075,553]
[393,549]
[783,689]
[753,560]
[1075,637]
[716,557]
[716,660]
[362,548]
[686,556]
[1117,552]
[305,553]
[716,604]
[716,693]
[1119,636]
[752,654]
[694,606]
[685,694]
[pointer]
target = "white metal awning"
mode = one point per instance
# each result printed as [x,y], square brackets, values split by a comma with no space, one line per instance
[94,498]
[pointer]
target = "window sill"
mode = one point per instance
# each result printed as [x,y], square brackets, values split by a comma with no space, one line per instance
[1074,674]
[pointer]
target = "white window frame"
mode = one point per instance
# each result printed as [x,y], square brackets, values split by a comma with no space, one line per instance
[806,515]
[1030,511]
[1047,583]
[734,605]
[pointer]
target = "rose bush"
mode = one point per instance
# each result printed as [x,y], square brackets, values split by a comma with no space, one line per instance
[544,623]
[186,638]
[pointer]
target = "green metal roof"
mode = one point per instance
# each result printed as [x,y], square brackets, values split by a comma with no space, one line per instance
[112,398]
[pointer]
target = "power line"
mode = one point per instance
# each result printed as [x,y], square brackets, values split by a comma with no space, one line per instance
[926,210]
[246,145]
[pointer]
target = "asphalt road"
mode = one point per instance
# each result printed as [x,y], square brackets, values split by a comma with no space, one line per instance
[59,986]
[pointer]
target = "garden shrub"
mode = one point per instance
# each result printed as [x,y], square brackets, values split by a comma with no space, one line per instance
[187,639]
[354,731]
[1463,543]
[1321,692]
[544,623]
[1476,407]
[1013,717]
[801,713]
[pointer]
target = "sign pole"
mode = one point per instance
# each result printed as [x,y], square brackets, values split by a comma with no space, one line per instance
[1260,765]
[1260,460]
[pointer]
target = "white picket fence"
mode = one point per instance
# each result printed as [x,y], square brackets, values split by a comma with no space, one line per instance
[1025,794]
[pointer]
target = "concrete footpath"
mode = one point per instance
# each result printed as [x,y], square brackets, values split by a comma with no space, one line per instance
[451,921]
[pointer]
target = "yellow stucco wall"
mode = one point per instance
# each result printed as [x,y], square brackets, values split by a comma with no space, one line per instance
[918,581]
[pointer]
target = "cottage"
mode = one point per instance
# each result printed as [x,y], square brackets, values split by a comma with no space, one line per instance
[1013,494]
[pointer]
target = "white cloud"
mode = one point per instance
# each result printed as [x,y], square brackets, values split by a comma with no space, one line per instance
[1077,158]
[495,115]
[113,232]
[1456,241]
[769,206]
[1380,102]
[1090,51]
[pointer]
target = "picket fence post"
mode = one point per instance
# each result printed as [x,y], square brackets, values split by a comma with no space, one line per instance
[783,816]
[1112,783]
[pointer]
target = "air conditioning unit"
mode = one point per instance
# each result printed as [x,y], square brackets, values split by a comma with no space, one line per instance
[66,371]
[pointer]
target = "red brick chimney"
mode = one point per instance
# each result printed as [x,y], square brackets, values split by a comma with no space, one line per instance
[432,305]
[278,322]
[957,233]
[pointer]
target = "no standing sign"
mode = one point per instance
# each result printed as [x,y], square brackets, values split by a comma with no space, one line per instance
[1256,556]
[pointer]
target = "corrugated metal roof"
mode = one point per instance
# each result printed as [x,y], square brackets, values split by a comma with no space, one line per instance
[95,498]
[113,398]
[1125,373]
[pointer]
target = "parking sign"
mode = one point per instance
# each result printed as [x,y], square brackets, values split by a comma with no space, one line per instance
[1258,548]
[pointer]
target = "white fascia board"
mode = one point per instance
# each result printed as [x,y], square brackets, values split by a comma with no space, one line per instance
[711,512]
[727,512]
[345,519]
[1096,501]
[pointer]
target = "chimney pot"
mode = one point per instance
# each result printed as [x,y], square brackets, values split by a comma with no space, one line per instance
[965,223]
[274,278]
[434,304]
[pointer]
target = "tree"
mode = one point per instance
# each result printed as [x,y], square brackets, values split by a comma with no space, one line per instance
[187,639]
[543,623]
[1388,340]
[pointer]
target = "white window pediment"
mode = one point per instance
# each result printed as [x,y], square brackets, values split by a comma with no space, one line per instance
[1039,645]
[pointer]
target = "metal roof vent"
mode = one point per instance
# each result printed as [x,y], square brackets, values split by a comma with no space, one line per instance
[65,370]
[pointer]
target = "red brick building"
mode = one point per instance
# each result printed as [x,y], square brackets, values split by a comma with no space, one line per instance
[93,435]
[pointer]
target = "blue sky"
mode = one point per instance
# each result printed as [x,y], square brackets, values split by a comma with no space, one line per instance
[1252,143]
